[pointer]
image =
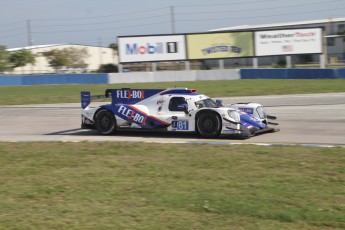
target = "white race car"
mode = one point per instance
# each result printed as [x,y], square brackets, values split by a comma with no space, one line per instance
[172,110]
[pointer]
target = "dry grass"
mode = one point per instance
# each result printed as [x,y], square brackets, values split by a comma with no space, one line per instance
[156,186]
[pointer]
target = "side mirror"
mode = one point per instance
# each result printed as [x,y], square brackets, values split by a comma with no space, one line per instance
[183,107]
[219,102]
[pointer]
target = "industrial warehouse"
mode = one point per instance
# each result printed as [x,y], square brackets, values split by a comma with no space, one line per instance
[332,50]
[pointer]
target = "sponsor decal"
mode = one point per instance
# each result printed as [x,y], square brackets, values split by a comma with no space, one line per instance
[130,94]
[225,124]
[220,45]
[289,41]
[85,99]
[247,110]
[89,113]
[160,102]
[151,48]
[132,115]
[221,49]
[287,48]
[133,49]
[229,131]
[298,34]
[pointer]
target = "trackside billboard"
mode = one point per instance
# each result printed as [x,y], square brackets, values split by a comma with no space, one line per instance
[285,42]
[220,45]
[152,48]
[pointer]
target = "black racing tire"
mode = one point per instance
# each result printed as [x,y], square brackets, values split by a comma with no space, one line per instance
[209,124]
[105,122]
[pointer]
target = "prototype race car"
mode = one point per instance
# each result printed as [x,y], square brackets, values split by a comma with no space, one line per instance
[173,110]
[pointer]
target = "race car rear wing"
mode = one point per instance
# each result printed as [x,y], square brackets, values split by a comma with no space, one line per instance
[86,98]
[119,96]
[130,96]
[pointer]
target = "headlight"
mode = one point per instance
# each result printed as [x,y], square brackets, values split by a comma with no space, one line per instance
[261,112]
[234,115]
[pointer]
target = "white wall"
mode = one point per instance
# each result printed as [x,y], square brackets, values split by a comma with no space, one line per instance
[224,74]
[171,76]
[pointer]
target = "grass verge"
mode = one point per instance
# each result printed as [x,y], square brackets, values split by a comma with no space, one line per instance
[156,186]
[49,94]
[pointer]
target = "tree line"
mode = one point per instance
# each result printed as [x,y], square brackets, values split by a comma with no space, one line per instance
[67,58]
[11,60]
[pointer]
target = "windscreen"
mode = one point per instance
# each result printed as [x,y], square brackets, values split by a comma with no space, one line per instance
[206,103]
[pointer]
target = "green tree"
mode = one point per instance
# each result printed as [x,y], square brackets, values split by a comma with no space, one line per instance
[108,68]
[4,59]
[57,59]
[66,58]
[342,32]
[21,58]
[113,46]
[77,57]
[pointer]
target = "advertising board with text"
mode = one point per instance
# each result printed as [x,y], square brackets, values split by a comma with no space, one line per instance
[292,41]
[152,48]
[220,45]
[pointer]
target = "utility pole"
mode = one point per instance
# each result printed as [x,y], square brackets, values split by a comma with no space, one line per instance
[30,43]
[28,27]
[172,18]
[100,50]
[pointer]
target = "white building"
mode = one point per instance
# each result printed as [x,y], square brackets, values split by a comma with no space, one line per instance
[335,47]
[96,56]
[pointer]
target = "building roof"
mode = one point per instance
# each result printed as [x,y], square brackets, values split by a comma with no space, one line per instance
[47,46]
[33,47]
[284,24]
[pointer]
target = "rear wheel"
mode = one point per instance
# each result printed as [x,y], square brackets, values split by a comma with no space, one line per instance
[105,122]
[209,124]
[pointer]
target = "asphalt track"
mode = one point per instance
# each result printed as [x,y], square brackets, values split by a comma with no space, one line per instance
[307,119]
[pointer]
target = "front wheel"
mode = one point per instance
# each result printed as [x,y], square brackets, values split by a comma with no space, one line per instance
[105,122]
[209,124]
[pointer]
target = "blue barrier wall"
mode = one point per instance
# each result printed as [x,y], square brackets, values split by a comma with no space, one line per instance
[311,74]
[51,79]
[11,80]
[340,73]
[263,74]
[60,79]
[290,73]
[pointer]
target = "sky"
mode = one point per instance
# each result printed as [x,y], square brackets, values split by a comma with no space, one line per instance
[100,22]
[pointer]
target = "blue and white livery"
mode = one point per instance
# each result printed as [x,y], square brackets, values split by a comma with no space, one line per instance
[172,110]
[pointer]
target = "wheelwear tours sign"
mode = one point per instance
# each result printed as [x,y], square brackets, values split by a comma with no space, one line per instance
[220,45]
[152,48]
[286,42]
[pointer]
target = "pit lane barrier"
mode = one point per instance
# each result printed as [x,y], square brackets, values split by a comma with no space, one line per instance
[170,76]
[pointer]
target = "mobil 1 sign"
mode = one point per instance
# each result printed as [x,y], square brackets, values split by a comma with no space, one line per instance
[291,41]
[152,48]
